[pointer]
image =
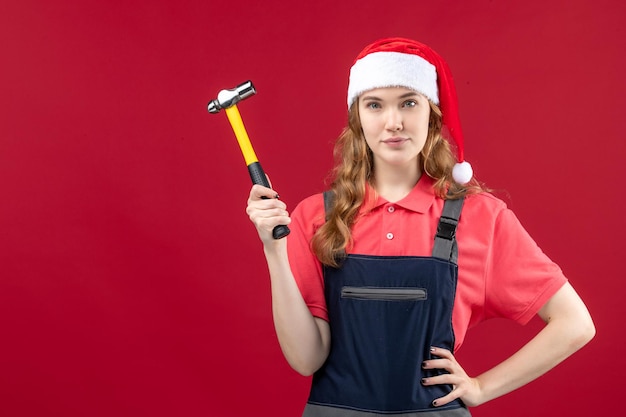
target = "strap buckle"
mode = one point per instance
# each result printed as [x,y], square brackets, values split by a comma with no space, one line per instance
[446,228]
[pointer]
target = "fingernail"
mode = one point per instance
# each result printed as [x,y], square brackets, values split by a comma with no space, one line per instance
[435,403]
[424,380]
[424,364]
[276,196]
[432,349]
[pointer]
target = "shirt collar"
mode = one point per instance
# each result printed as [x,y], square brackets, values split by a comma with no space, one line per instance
[419,199]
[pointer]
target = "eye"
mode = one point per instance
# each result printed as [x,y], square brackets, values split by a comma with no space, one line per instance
[410,103]
[373,105]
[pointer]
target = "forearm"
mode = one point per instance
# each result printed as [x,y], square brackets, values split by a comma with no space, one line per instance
[549,347]
[303,339]
[563,335]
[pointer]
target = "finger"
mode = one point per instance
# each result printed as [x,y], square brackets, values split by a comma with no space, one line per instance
[266,225]
[269,223]
[266,209]
[267,213]
[446,364]
[258,192]
[453,395]
[442,359]
[441,352]
[443,379]
[265,204]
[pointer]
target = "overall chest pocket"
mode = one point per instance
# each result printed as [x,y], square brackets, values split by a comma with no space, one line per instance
[384,293]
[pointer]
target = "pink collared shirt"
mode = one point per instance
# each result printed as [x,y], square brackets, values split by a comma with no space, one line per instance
[501,270]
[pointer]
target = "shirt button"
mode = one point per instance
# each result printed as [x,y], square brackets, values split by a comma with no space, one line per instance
[391,209]
[389,236]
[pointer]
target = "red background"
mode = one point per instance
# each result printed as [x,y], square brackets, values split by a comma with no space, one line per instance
[131,281]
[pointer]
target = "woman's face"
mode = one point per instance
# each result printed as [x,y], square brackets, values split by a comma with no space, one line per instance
[395,125]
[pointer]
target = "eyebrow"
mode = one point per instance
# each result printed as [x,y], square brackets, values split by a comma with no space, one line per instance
[405,95]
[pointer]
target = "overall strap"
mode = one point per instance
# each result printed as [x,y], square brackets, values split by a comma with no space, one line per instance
[329,197]
[445,238]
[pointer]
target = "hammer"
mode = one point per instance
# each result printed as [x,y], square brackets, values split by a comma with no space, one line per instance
[227,100]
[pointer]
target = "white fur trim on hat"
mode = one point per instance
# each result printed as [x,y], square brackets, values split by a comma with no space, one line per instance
[393,69]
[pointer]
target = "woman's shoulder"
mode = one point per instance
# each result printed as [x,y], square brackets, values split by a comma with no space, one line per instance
[482,208]
[310,208]
[314,201]
[484,201]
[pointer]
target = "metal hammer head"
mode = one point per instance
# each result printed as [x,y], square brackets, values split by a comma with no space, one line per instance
[228,98]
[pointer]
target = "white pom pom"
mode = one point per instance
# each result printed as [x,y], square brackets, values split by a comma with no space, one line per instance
[462,173]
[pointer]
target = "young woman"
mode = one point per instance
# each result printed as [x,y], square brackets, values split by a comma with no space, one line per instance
[381,277]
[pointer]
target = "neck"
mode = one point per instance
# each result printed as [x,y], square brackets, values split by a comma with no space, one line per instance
[395,183]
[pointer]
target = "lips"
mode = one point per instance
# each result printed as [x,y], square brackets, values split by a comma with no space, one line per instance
[394,140]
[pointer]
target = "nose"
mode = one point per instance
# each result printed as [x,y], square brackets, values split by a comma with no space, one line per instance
[393,120]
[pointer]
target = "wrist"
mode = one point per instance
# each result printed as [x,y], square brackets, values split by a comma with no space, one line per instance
[275,248]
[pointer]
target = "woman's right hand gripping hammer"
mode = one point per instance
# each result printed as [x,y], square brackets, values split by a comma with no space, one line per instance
[266,212]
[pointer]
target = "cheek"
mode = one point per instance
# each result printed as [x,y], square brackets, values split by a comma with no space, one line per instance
[421,125]
[368,126]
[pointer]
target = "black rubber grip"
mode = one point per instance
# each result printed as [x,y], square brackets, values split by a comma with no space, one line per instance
[257,175]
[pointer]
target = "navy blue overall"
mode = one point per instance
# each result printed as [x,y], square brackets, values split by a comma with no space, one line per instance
[385,313]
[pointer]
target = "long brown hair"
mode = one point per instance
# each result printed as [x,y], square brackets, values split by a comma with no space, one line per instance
[354,168]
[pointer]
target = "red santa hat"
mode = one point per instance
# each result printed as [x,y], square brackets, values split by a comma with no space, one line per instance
[399,62]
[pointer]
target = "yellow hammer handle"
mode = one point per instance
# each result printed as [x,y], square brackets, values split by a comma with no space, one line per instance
[257,175]
[242,136]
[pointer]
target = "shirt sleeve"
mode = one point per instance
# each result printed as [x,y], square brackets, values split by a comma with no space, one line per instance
[306,218]
[520,277]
